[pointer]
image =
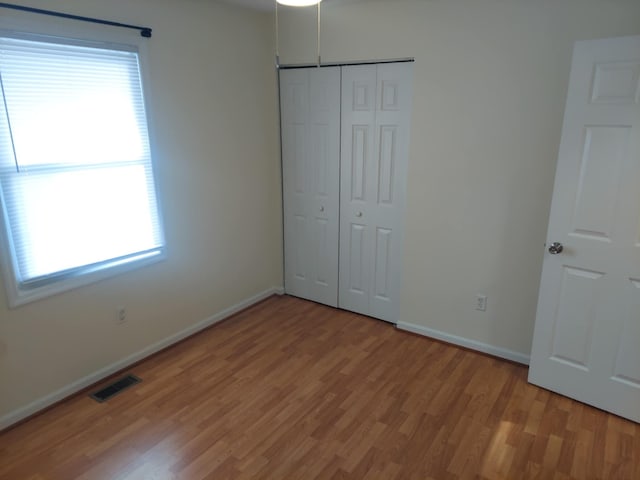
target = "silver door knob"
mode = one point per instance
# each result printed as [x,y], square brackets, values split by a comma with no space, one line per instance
[322,209]
[555,248]
[359,214]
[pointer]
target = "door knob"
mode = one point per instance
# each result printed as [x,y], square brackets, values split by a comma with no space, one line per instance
[555,248]
[359,214]
[322,209]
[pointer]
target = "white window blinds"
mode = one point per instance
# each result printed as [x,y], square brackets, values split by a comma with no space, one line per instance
[75,166]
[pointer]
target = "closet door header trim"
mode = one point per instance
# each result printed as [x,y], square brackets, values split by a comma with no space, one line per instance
[345,64]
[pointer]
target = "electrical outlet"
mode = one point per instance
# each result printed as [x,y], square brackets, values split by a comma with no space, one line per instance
[481,303]
[121,315]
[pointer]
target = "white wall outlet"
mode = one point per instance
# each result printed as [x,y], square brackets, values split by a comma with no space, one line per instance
[121,315]
[481,303]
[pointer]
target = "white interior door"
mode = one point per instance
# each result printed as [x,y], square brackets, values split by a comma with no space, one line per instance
[587,335]
[376,110]
[310,126]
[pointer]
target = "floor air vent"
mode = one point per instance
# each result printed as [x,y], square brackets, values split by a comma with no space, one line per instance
[115,388]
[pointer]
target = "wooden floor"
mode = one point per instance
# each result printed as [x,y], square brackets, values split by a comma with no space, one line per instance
[293,390]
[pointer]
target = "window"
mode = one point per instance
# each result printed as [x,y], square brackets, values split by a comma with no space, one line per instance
[76,180]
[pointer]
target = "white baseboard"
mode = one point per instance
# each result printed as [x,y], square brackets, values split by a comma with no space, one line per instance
[465,342]
[68,390]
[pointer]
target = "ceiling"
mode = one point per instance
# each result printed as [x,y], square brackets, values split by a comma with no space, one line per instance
[264,5]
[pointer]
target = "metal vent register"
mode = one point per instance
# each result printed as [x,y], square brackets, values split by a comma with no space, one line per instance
[115,388]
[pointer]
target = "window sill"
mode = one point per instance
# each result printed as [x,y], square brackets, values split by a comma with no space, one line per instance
[18,297]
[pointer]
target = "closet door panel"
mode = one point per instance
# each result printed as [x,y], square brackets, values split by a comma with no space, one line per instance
[393,99]
[324,116]
[294,97]
[376,103]
[357,172]
[310,125]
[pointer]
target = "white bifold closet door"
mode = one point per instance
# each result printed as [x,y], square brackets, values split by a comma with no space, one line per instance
[376,106]
[345,137]
[310,131]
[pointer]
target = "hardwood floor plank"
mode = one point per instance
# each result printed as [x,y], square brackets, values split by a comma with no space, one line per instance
[290,389]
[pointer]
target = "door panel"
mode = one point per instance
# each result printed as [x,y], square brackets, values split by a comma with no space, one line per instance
[382,264]
[627,365]
[356,164]
[388,184]
[359,159]
[599,177]
[324,118]
[362,89]
[387,163]
[320,158]
[575,318]
[300,232]
[376,105]
[294,91]
[310,126]
[616,83]
[299,158]
[323,250]
[588,320]
[357,266]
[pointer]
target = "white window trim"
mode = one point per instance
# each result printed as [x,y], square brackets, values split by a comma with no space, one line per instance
[68,31]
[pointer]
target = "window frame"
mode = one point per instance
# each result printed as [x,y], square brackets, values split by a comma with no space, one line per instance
[100,37]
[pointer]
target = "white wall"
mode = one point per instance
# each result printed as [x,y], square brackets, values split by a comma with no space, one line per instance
[213,94]
[490,86]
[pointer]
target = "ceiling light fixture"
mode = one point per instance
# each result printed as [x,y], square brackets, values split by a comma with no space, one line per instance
[298,3]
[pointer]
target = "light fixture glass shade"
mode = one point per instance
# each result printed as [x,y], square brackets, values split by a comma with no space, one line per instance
[298,3]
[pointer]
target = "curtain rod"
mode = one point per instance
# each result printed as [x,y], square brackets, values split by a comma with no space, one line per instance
[144,31]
